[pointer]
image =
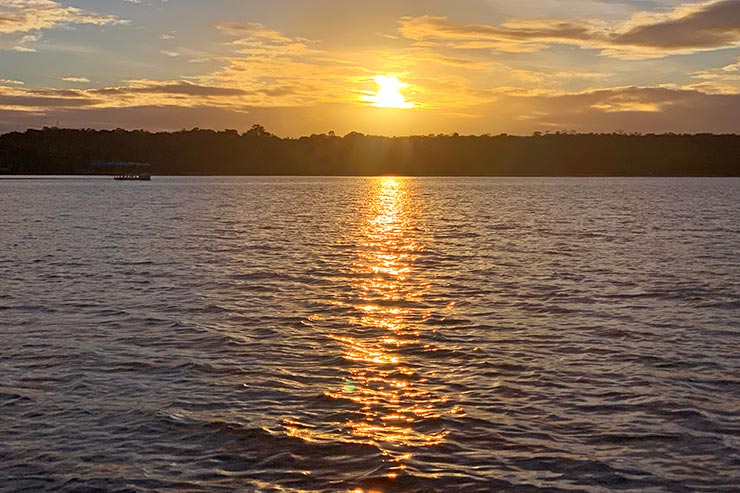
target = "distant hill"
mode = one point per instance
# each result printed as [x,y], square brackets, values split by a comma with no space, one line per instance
[257,152]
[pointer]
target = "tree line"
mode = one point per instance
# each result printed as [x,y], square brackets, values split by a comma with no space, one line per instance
[258,152]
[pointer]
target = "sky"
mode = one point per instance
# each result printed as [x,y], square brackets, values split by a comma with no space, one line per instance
[385,67]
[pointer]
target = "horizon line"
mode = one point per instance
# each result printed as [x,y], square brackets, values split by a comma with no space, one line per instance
[330,134]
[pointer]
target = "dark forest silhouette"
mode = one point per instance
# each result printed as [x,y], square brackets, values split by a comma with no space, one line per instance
[257,152]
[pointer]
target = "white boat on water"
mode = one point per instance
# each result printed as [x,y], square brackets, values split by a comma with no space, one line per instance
[127,171]
[131,177]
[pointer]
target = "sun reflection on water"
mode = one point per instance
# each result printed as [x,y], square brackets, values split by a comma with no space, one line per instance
[381,330]
[395,406]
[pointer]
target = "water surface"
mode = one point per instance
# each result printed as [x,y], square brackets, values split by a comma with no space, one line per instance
[370,334]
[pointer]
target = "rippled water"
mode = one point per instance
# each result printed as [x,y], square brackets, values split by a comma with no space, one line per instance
[370,334]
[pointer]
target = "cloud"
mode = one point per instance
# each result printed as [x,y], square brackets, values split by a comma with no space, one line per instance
[175,88]
[20,16]
[39,100]
[19,42]
[685,29]
[713,24]
[21,21]
[262,67]
[454,82]
[724,80]
[284,70]
[522,113]
[82,80]
[288,71]
[637,99]
[644,109]
[253,31]
[136,93]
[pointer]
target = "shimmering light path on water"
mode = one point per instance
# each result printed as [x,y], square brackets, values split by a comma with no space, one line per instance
[370,334]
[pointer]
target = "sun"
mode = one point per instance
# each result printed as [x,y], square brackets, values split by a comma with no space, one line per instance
[388,94]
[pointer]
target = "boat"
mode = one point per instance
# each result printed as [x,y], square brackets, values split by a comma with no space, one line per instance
[126,171]
[136,176]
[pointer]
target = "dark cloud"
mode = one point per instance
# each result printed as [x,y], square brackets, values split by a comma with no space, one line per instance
[31,100]
[714,25]
[34,101]
[688,28]
[176,88]
[644,109]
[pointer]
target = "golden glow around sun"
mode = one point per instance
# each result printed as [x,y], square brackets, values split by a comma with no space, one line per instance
[388,94]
